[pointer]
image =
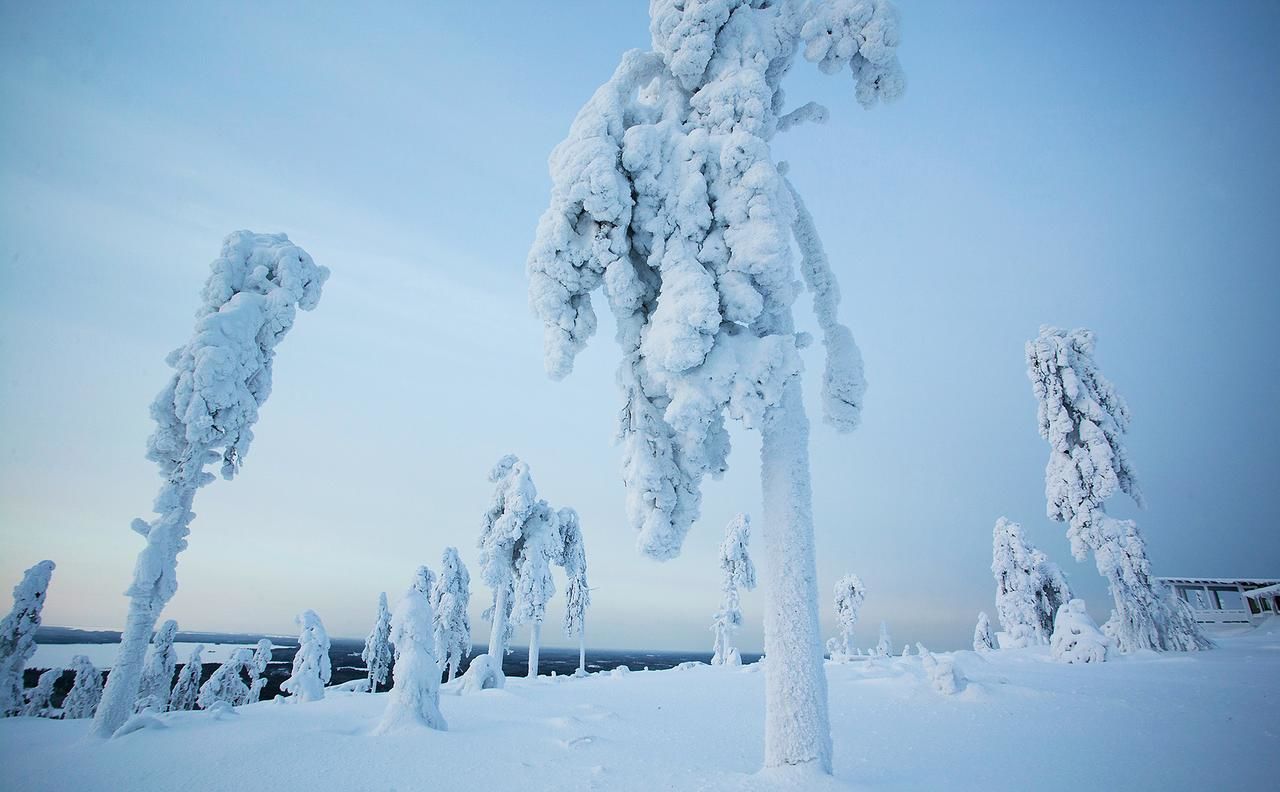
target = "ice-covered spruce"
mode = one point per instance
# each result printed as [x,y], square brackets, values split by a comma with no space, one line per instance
[86,691]
[205,415]
[1029,587]
[849,595]
[311,665]
[577,594]
[450,598]
[187,689]
[18,634]
[665,193]
[1076,637]
[983,639]
[736,572]
[415,694]
[157,675]
[377,647]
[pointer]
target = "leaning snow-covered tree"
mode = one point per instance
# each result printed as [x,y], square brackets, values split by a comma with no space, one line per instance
[86,691]
[665,192]
[39,704]
[849,594]
[983,640]
[737,571]
[577,594]
[450,598]
[157,675]
[311,665]
[227,685]
[18,634]
[1029,587]
[206,413]
[257,670]
[1085,420]
[187,688]
[415,694]
[377,647]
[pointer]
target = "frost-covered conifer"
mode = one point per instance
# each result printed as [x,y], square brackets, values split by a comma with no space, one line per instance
[884,647]
[665,192]
[415,695]
[377,647]
[1029,587]
[1084,420]
[18,634]
[311,668]
[450,599]
[226,684]
[737,572]
[157,675]
[257,669]
[187,688]
[38,702]
[1076,637]
[534,586]
[206,413]
[577,595]
[849,595]
[85,692]
[941,671]
[983,640]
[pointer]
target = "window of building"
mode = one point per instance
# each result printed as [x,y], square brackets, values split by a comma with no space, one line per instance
[1227,598]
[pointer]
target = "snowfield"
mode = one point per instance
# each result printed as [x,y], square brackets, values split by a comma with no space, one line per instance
[1147,721]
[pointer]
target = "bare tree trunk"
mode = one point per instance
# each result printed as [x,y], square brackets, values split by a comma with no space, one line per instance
[497,636]
[535,637]
[582,651]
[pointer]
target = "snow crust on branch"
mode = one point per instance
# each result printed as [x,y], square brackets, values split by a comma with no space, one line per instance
[18,634]
[311,665]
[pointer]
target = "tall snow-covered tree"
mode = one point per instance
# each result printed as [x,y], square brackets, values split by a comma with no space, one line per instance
[157,674]
[983,639]
[38,698]
[227,685]
[450,599]
[415,694]
[377,647]
[577,594]
[849,595]
[257,670]
[665,192]
[86,691]
[534,586]
[311,666]
[206,413]
[884,646]
[18,634]
[1029,587]
[1084,420]
[187,689]
[736,571]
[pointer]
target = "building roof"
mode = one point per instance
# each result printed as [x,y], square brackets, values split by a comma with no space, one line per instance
[1265,591]
[1192,581]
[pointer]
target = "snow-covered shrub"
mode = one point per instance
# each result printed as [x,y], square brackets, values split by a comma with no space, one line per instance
[85,692]
[257,669]
[157,674]
[884,647]
[1029,587]
[666,194]
[483,673]
[534,586]
[983,639]
[206,413]
[941,671]
[311,668]
[377,647]
[226,685]
[737,572]
[1085,420]
[577,594]
[187,688]
[1076,637]
[450,599]
[38,704]
[18,634]
[415,694]
[849,595]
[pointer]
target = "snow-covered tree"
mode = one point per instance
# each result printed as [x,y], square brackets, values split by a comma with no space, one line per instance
[884,647]
[736,571]
[577,594]
[85,692]
[377,647]
[206,413]
[941,671]
[983,639]
[415,694]
[1084,421]
[534,586]
[849,594]
[187,688]
[1076,637]
[665,192]
[226,684]
[257,670]
[450,599]
[38,698]
[18,634]
[1029,587]
[157,675]
[311,668]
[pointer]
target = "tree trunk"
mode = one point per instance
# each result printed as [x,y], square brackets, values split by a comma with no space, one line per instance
[453,668]
[535,636]
[797,728]
[497,636]
[582,651]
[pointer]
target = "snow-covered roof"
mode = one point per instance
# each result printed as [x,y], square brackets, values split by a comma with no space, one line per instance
[1265,591]
[1254,582]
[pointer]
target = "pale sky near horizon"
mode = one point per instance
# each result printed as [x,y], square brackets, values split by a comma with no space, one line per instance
[1087,164]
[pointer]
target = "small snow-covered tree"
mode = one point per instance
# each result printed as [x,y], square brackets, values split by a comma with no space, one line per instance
[257,670]
[577,594]
[187,689]
[941,671]
[38,698]
[884,647]
[206,413]
[1084,421]
[311,666]
[415,694]
[1076,637]
[534,586]
[983,640]
[849,595]
[450,599]
[226,684]
[665,192]
[736,571]
[18,634]
[1029,587]
[157,675]
[85,692]
[377,647]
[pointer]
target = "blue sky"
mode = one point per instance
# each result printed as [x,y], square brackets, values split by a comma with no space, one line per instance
[1087,164]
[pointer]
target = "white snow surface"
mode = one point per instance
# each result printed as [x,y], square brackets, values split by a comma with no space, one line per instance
[1168,721]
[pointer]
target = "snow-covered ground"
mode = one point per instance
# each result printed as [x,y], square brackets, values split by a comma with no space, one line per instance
[1148,721]
[103,655]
